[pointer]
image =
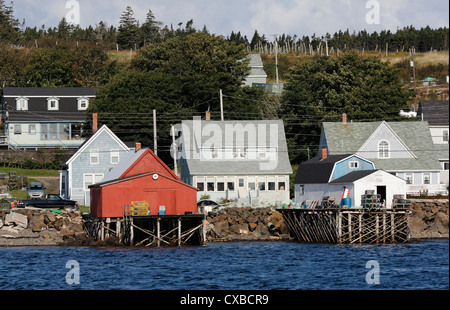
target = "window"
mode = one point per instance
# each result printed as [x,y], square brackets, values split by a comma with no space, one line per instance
[271,186]
[114,157]
[53,133]
[301,190]
[63,131]
[90,179]
[427,178]
[53,104]
[31,129]
[201,186]
[409,178]
[83,104]
[262,186]
[353,165]
[75,130]
[281,186]
[94,157]
[22,104]
[220,186]
[44,132]
[210,186]
[446,165]
[230,186]
[383,149]
[445,136]
[252,186]
[241,182]
[17,129]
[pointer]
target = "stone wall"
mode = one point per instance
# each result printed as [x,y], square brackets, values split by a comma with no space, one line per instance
[36,227]
[237,223]
[430,218]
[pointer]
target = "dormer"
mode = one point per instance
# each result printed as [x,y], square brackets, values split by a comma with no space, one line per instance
[83,103]
[22,104]
[53,104]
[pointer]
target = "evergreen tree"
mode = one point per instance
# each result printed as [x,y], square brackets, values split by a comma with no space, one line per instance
[9,26]
[151,29]
[128,35]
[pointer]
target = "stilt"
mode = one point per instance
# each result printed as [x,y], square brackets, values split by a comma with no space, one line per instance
[131,232]
[179,232]
[158,231]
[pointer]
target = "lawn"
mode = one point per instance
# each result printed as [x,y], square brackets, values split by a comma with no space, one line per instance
[30,172]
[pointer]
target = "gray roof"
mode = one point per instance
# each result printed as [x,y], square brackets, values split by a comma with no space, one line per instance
[125,162]
[353,176]
[317,170]
[49,91]
[350,137]
[228,137]
[436,112]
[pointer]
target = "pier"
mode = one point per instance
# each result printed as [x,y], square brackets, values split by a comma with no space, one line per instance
[348,226]
[138,229]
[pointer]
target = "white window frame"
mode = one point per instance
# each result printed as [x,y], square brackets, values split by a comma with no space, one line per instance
[114,155]
[80,103]
[445,136]
[95,177]
[22,104]
[301,190]
[32,131]
[353,164]
[412,178]
[94,157]
[49,104]
[17,129]
[424,177]
[384,152]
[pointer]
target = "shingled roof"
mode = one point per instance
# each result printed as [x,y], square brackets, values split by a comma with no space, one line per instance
[435,112]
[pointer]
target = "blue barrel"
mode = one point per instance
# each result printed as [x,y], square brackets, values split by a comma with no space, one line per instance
[346,202]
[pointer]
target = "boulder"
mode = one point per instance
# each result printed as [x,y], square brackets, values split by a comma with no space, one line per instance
[16,219]
[37,223]
[441,219]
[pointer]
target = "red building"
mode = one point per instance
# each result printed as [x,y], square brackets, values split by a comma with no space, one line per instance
[142,176]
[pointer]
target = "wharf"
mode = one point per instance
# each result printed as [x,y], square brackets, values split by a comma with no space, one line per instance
[150,230]
[348,226]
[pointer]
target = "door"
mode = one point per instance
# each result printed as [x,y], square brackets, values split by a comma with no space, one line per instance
[381,190]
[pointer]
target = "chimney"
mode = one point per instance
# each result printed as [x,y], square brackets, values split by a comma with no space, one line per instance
[94,122]
[344,118]
[324,153]
[138,146]
[208,115]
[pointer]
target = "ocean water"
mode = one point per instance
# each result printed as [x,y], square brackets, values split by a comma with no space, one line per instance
[229,266]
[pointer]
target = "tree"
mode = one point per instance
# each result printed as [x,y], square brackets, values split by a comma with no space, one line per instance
[151,29]
[128,35]
[322,88]
[9,26]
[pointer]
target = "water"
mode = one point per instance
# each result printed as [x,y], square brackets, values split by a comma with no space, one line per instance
[229,266]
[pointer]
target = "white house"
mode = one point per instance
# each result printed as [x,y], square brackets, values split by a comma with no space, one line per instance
[404,149]
[246,161]
[257,74]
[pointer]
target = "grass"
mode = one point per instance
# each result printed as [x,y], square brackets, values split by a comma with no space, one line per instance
[30,172]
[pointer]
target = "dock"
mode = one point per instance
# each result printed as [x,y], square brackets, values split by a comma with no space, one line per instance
[149,230]
[348,226]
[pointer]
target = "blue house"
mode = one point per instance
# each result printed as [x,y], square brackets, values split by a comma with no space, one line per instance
[95,158]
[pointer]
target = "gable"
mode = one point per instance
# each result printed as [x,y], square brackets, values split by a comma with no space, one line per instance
[349,165]
[146,162]
[103,140]
[384,134]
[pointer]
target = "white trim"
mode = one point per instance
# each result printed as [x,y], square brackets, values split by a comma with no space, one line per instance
[373,135]
[388,150]
[91,139]
[49,107]
[22,107]
[47,96]
[79,103]
[94,153]
[344,159]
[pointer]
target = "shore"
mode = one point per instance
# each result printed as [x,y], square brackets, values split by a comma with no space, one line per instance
[25,227]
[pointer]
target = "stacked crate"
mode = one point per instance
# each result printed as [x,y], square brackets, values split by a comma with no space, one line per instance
[371,200]
[399,202]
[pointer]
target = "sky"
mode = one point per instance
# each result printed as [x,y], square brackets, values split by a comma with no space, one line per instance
[221,17]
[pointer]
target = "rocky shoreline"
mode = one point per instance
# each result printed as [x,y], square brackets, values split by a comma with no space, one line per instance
[35,227]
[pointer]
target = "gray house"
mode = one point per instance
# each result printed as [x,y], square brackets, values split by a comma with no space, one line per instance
[96,157]
[257,74]
[404,149]
[245,161]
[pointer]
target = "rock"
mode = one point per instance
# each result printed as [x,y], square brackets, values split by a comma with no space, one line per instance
[17,219]
[1,223]
[442,219]
[241,229]
[252,226]
[221,227]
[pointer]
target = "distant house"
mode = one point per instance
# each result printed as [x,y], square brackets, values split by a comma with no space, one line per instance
[257,74]
[436,113]
[90,164]
[245,161]
[45,117]
[325,176]
[404,149]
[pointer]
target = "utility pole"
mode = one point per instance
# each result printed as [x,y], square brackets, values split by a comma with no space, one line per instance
[413,65]
[221,105]
[155,142]
[276,54]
